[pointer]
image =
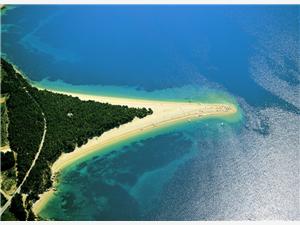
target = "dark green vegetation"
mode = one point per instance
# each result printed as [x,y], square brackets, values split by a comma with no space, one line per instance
[4,123]
[25,128]
[7,160]
[3,199]
[8,216]
[17,208]
[70,123]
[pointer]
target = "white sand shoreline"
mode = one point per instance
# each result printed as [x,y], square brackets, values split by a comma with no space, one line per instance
[164,114]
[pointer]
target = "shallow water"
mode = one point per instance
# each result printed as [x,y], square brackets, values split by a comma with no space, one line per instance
[213,169]
[128,181]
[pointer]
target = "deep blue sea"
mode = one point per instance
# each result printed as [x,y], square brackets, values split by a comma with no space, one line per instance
[211,169]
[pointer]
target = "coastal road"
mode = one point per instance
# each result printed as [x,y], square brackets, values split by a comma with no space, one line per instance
[7,204]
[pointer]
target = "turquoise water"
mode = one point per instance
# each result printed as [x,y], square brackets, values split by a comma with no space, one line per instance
[246,167]
[128,180]
[187,93]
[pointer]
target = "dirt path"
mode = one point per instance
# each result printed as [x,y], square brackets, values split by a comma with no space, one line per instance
[7,204]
